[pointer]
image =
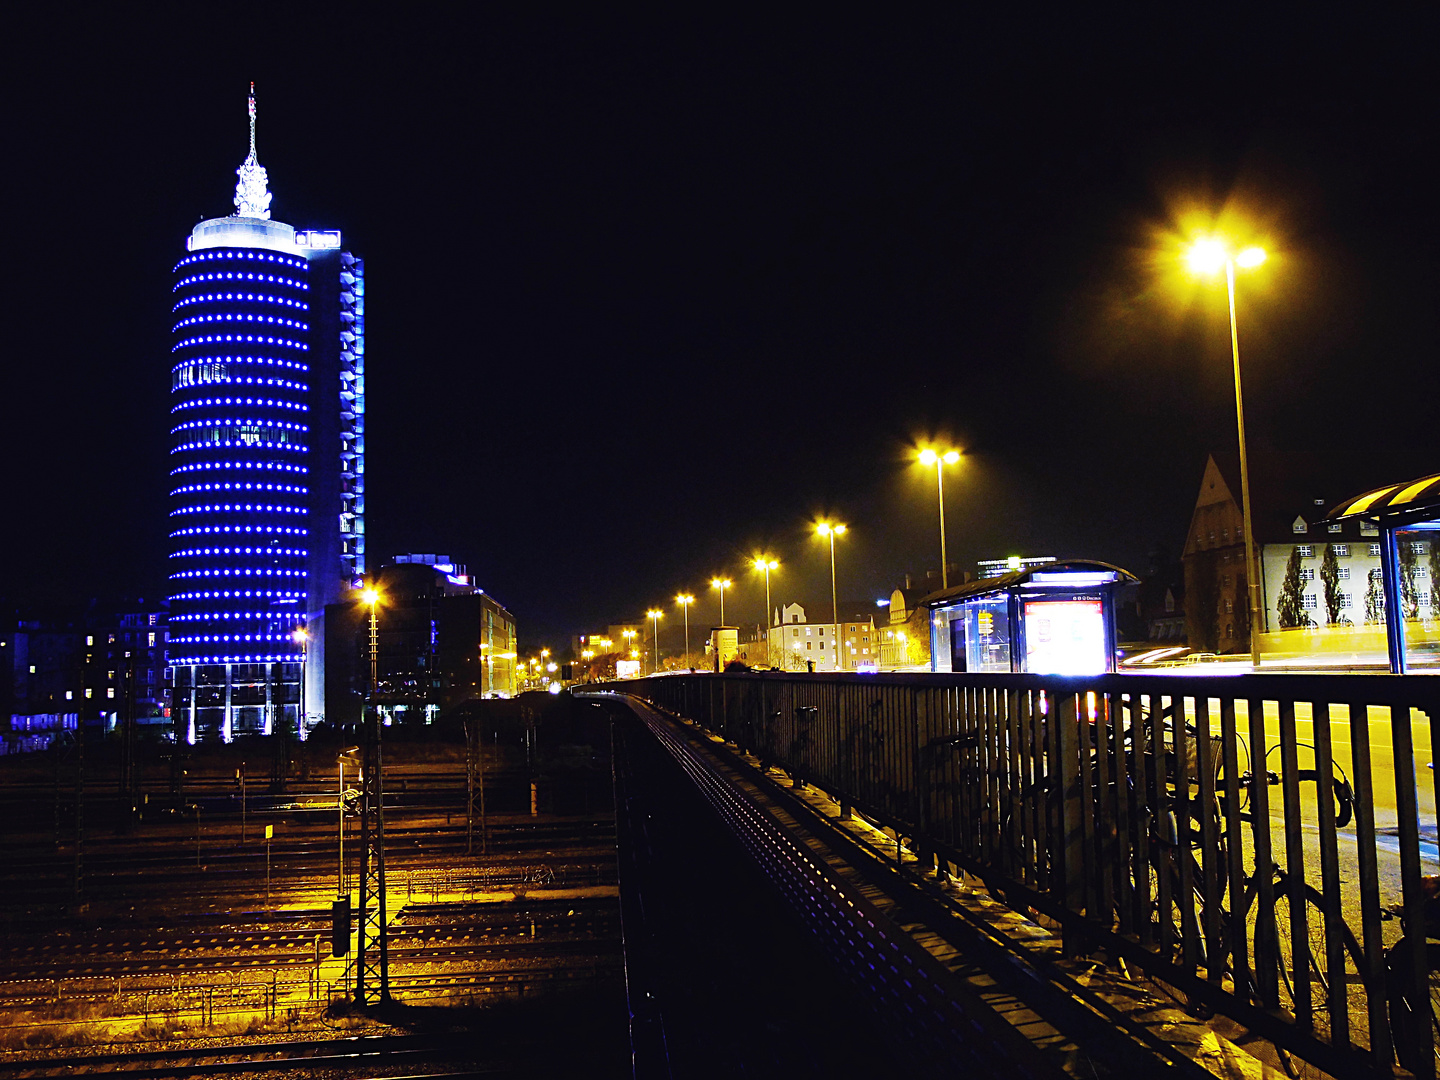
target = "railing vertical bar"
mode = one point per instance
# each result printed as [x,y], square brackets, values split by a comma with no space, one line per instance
[1235,945]
[1106,864]
[1338,991]
[1065,729]
[1160,799]
[1124,878]
[1210,860]
[1373,945]
[1039,801]
[991,801]
[1085,734]
[1414,967]
[1184,859]
[1142,806]
[1025,792]
[1295,869]
[1266,956]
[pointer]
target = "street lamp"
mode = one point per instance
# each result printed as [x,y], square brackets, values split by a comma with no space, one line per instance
[301,637]
[1207,257]
[722,584]
[654,615]
[685,600]
[830,531]
[939,459]
[765,565]
[371,596]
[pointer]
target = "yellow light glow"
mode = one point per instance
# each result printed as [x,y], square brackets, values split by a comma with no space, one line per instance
[370,596]
[928,456]
[826,528]
[684,600]
[1207,256]
[654,613]
[544,652]
[719,583]
[1250,257]
[300,635]
[951,457]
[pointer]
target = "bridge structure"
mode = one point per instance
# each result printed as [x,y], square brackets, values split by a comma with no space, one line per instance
[1262,846]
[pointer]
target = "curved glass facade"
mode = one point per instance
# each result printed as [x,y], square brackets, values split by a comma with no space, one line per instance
[241,476]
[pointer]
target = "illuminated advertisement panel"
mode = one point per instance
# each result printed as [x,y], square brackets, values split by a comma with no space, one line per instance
[1065,637]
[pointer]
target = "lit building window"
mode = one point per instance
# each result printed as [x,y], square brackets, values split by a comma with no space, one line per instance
[110,693]
[1342,551]
[89,692]
[1307,551]
[1375,551]
[1308,602]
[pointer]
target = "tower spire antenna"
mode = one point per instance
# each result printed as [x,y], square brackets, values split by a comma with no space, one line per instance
[252,193]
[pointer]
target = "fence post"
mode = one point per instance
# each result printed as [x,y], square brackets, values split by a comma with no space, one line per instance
[1065,717]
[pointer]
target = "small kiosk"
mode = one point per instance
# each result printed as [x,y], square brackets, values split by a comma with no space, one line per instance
[1408,516]
[1053,619]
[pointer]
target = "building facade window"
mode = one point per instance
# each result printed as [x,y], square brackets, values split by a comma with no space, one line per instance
[1308,602]
[1375,551]
[1342,551]
[1307,551]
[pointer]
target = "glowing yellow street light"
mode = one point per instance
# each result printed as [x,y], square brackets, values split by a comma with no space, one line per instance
[722,584]
[685,600]
[831,530]
[1208,256]
[939,459]
[372,596]
[655,615]
[765,564]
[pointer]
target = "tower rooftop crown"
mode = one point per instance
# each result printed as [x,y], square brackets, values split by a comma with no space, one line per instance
[252,193]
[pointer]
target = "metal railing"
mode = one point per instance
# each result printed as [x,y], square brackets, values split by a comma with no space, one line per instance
[1263,844]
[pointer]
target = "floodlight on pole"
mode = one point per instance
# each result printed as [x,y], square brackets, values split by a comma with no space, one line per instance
[685,600]
[722,584]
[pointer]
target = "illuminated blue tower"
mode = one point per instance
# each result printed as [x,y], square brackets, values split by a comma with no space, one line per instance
[267,464]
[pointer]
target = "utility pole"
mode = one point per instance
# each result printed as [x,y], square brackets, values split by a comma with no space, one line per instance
[475,786]
[372,964]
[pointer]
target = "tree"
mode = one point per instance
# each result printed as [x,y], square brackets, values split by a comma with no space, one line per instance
[1330,578]
[1409,594]
[1291,604]
[1374,598]
[1435,579]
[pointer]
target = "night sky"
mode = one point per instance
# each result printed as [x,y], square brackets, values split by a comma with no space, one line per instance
[648,295]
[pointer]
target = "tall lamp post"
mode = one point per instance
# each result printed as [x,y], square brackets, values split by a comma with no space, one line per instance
[1208,257]
[301,637]
[765,565]
[830,531]
[654,615]
[722,584]
[685,600]
[939,459]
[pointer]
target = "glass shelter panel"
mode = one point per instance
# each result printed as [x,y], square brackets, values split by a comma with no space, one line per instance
[1417,564]
[986,639]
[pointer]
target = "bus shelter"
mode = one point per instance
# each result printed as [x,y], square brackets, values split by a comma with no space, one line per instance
[1053,619]
[1408,518]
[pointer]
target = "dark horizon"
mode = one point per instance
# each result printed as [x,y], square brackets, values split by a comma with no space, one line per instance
[649,296]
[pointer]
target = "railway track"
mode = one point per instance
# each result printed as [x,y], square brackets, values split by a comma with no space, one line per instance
[354,1056]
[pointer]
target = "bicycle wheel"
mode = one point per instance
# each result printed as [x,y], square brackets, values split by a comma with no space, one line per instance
[1306,983]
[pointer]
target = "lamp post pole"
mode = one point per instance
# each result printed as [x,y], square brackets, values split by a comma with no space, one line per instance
[940,489]
[685,600]
[654,614]
[1252,568]
[831,531]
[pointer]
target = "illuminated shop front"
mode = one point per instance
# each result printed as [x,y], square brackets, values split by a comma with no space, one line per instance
[1055,619]
[1406,600]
